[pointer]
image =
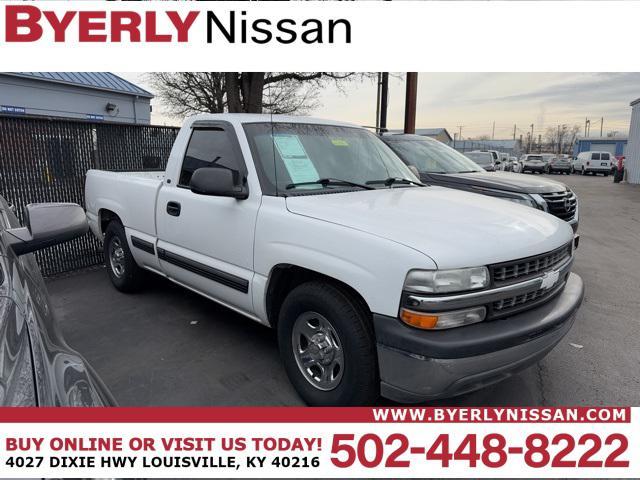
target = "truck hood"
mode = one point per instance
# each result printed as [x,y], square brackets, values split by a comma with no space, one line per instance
[508,181]
[453,228]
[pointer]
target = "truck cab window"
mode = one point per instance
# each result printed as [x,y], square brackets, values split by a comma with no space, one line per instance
[211,147]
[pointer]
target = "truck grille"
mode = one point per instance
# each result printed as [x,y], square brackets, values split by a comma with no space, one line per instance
[561,204]
[524,301]
[519,270]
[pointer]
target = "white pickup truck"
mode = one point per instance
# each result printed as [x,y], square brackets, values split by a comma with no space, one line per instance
[375,283]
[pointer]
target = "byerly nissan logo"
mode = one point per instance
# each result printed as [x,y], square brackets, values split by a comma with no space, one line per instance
[29,23]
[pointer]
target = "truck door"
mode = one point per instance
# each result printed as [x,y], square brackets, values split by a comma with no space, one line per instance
[206,242]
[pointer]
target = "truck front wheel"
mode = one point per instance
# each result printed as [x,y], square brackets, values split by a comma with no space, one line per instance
[124,273]
[328,346]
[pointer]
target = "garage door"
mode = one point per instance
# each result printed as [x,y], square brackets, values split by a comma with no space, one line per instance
[604,147]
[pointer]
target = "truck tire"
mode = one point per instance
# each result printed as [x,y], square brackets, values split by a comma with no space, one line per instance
[328,347]
[124,272]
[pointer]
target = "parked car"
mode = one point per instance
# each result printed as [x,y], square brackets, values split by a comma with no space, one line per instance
[496,158]
[618,169]
[483,159]
[515,164]
[547,157]
[374,282]
[38,367]
[560,163]
[617,162]
[505,165]
[533,162]
[439,164]
[593,162]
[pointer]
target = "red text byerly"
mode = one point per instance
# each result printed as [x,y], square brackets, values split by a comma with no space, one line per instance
[26,23]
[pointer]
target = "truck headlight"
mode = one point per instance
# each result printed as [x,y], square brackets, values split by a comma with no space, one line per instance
[529,202]
[541,203]
[446,281]
[521,198]
[442,320]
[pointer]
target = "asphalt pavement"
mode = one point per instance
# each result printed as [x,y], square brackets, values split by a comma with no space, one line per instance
[169,346]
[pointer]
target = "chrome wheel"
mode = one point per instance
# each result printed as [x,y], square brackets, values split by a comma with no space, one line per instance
[116,257]
[318,351]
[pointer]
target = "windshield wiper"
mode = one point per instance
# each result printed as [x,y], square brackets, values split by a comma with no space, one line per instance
[387,182]
[468,171]
[329,181]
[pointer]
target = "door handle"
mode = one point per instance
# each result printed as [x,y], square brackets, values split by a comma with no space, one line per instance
[173,209]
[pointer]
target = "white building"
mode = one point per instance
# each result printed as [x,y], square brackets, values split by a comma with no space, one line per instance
[632,161]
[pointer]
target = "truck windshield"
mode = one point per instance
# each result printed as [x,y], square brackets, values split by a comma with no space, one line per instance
[483,159]
[433,157]
[297,157]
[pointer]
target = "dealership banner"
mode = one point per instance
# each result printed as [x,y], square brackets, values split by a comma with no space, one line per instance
[298,442]
[310,36]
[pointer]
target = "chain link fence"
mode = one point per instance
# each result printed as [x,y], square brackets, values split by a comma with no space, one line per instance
[43,160]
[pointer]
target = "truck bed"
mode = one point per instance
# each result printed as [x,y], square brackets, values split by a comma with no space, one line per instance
[131,194]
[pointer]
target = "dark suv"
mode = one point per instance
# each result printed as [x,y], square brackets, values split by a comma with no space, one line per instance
[38,367]
[439,164]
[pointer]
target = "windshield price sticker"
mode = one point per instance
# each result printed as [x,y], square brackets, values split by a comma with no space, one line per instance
[295,158]
[431,442]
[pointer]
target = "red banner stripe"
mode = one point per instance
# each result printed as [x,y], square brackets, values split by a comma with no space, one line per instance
[316,415]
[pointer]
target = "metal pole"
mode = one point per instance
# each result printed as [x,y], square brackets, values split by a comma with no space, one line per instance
[601,125]
[493,131]
[531,139]
[378,103]
[410,103]
[384,101]
[514,131]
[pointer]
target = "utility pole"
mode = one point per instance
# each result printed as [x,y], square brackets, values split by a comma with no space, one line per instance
[514,131]
[378,102]
[493,130]
[559,141]
[410,102]
[530,139]
[384,100]
[460,132]
[601,125]
[587,123]
[521,144]
[539,143]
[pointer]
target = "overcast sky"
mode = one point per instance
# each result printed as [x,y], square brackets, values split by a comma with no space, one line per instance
[476,100]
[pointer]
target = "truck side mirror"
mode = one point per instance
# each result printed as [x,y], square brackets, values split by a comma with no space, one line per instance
[219,182]
[47,224]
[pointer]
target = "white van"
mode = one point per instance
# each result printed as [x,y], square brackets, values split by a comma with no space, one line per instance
[594,162]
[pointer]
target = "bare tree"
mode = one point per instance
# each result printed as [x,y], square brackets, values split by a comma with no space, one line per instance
[249,92]
[560,139]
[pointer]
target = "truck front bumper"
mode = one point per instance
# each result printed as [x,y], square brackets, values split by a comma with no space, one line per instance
[418,365]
